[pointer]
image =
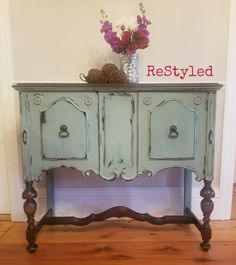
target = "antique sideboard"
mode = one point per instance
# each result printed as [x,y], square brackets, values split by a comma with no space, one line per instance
[118,131]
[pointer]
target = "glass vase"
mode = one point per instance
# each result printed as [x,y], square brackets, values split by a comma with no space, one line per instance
[129,65]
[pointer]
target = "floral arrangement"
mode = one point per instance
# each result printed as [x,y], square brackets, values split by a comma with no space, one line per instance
[132,33]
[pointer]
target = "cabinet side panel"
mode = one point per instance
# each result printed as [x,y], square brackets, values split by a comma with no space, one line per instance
[25,133]
[211,106]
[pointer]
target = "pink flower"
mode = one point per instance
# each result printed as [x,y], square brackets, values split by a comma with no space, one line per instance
[131,48]
[131,38]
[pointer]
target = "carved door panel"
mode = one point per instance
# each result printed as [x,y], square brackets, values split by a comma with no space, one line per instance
[64,130]
[172,130]
[172,127]
[118,131]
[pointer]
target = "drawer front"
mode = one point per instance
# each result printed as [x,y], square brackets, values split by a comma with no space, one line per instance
[118,135]
[172,127]
[64,130]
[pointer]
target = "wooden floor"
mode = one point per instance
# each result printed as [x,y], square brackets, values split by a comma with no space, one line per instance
[120,242]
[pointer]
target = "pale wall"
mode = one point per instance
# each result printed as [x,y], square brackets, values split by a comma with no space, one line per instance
[4,202]
[54,41]
[4,191]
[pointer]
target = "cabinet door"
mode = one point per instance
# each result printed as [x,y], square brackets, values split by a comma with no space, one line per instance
[64,130]
[118,131]
[172,127]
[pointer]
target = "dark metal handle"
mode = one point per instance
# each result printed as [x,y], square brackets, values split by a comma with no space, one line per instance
[63,131]
[211,137]
[173,132]
[25,137]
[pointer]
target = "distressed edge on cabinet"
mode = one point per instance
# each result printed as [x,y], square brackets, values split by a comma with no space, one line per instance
[72,87]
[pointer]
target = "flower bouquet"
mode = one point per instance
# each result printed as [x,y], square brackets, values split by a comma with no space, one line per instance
[131,35]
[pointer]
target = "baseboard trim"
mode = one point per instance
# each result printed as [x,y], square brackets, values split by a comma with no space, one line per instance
[5,217]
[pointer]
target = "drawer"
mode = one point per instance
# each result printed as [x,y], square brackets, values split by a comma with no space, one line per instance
[171,128]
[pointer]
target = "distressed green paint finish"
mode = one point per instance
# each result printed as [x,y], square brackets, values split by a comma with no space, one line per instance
[51,146]
[118,131]
[25,136]
[118,135]
[161,147]
[64,138]
[210,136]
[171,129]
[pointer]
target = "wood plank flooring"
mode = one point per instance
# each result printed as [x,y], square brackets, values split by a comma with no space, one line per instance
[120,242]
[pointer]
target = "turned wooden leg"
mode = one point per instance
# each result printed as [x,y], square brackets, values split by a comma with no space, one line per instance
[30,206]
[207,207]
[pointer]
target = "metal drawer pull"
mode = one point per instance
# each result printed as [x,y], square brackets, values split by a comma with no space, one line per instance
[63,131]
[211,137]
[25,137]
[173,132]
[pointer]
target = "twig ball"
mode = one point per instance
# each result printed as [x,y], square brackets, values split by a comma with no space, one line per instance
[107,68]
[117,76]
